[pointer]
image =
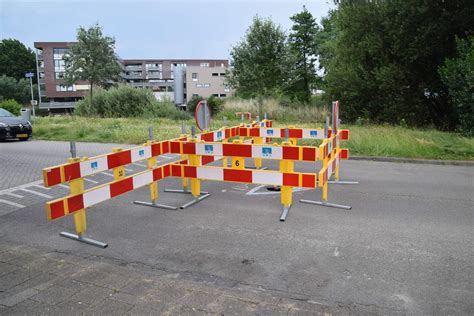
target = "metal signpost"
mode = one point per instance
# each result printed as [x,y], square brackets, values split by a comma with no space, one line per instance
[203,115]
[33,102]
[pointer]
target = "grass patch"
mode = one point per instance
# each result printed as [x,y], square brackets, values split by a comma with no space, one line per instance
[372,140]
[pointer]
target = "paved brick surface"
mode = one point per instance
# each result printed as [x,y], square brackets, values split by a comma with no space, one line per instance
[117,288]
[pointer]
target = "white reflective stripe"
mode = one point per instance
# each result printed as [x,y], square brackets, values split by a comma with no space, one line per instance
[210,173]
[140,153]
[267,177]
[313,133]
[270,132]
[92,166]
[209,149]
[268,152]
[96,196]
[142,179]
[337,140]
[330,146]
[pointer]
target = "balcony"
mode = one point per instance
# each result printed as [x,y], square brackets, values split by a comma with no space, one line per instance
[133,76]
[154,75]
[57,105]
[133,68]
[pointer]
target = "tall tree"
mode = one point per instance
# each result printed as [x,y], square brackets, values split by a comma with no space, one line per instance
[16,59]
[384,62]
[303,46]
[260,60]
[92,59]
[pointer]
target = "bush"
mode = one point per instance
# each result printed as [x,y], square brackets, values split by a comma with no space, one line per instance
[11,106]
[19,90]
[215,104]
[191,106]
[165,108]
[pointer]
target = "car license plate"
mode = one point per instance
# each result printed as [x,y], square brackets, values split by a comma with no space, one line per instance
[21,135]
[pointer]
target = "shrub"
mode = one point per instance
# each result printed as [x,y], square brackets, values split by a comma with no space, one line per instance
[11,106]
[215,104]
[164,108]
[193,102]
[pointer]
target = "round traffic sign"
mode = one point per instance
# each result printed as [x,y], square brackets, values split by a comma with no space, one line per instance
[203,115]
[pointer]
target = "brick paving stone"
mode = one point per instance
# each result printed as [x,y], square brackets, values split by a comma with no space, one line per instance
[91,295]
[54,295]
[12,279]
[112,307]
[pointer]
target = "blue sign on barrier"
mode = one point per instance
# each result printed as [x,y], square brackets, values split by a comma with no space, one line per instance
[209,149]
[266,152]
[313,133]
[269,132]
[141,152]
[94,165]
[219,134]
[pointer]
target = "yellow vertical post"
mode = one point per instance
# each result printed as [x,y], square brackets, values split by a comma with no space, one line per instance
[325,185]
[154,185]
[286,191]
[119,172]
[238,162]
[293,141]
[195,160]
[184,157]
[258,161]
[77,187]
[338,147]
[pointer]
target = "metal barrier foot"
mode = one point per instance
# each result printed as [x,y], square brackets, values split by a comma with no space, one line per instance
[196,200]
[342,182]
[84,239]
[182,191]
[344,207]
[166,207]
[284,213]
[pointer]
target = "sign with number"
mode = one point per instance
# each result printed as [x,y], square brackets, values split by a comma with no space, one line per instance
[203,115]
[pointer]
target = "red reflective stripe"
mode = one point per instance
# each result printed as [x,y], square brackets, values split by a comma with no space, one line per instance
[296,133]
[234,131]
[236,150]
[165,147]
[207,159]
[189,148]
[121,187]
[166,171]
[243,131]
[334,165]
[291,153]
[190,172]
[53,176]
[238,175]
[176,171]
[344,134]
[157,174]
[309,181]
[75,203]
[155,149]
[309,154]
[175,147]
[228,132]
[291,179]
[208,137]
[344,154]
[72,171]
[254,132]
[268,123]
[119,159]
[329,133]
[56,209]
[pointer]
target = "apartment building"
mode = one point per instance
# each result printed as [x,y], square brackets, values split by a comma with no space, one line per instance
[167,78]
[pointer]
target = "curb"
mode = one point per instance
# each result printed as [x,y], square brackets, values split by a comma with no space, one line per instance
[467,163]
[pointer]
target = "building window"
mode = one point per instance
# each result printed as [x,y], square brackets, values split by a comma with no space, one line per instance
[41,63]
[194,76]
[207,85]
[58,53]
[203,85]
[226,89]
[222,74]
[59,75]
[62,88]
[59,65]
[204,64]
[153,66]
[215,95]
[215,74]
[222,65]
[222,95]
[41,74]
[178,65]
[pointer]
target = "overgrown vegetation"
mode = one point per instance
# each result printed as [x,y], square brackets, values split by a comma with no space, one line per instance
[11,106]
[126,101]
[372,140]
[215,104]
[19,90]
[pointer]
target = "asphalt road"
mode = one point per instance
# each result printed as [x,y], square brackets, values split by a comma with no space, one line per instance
[406,247]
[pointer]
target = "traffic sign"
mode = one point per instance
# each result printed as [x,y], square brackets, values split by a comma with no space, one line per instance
[29,75]
[203,115]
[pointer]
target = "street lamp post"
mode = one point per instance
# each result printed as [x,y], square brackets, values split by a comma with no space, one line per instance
[30,75]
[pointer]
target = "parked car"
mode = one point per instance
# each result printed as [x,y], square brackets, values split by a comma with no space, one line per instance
[12,126]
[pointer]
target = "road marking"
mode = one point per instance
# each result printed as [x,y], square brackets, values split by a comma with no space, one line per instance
[63,186]
[12,203]
[9,190]
[141,165]
[168,156]
[91,181]
[336,252]
[37,193]
[15,195]
[41,187]
[108,174]
[129,170]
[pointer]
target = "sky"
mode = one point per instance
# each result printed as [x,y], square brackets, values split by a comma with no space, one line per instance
[150,29]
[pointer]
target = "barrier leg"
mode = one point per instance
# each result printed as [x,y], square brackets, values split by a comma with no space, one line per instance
[80,223]
[154,192]
[258,161]
[286,191]
[195,160]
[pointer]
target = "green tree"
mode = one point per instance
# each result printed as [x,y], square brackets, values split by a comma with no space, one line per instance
[260,60]
[19,90]
[458,75]
[92,59]
[304,49]
[16,59]
[383,63]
